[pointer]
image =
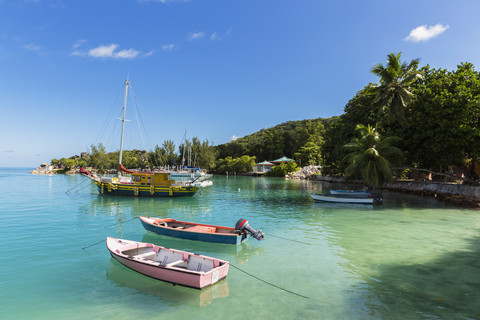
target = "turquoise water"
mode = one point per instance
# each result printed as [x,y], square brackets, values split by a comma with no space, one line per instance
[412,258]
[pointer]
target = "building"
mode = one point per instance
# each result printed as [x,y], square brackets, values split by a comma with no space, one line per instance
[263,167]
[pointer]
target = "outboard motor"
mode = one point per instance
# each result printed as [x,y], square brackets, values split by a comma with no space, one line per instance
[243,226]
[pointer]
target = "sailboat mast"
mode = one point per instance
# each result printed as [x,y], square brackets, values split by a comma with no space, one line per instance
[123,122]
[184,146]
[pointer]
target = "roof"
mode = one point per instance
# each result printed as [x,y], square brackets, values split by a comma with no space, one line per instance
[265,163]
[282,159]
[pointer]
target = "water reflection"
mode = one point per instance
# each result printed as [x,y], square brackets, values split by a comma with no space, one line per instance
[175,295]
[139,206]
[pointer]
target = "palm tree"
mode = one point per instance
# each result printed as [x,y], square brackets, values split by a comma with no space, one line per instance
[372,156]
[394,92]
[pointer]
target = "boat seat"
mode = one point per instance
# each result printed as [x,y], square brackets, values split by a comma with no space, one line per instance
[145,255]
[197,263]
[203,229]
[167,257]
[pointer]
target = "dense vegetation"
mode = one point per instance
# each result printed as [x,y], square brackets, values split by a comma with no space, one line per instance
[439,127]
[433,115]
[301,140]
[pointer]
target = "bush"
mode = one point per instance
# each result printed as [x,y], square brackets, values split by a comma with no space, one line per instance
[283,169]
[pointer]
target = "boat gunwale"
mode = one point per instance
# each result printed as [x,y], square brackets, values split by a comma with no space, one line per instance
[113,251]
[142,218]
[343,199]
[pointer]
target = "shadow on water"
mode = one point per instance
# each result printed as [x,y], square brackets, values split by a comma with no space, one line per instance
[447,287]
[167,292]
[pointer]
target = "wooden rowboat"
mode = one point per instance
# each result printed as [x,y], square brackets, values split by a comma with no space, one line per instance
[200,232]
[342,199]
[170,265]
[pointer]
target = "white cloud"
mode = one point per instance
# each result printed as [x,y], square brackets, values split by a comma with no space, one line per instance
[196,35]
[219,37]
[168,47]
[149,53]
[79,43]
[234,137]
[32,47]
[424,33]
[109,51]
[127,54]
[103,51]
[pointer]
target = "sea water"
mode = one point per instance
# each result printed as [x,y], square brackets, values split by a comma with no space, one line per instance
[412,258]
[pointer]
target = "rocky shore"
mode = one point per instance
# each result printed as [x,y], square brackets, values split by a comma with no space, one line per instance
[459,194]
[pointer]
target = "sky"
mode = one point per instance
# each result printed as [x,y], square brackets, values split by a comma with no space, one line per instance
[212,69]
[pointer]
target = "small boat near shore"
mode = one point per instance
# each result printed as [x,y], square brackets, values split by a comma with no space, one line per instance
[344,199]
[351,193]
[169,265]
[201,232]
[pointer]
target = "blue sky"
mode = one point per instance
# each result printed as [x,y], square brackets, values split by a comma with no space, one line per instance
[218,69]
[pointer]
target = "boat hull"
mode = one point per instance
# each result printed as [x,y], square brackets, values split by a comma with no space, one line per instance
[120,189]
[351,193]
[149,225]
[175,275]
[344,199]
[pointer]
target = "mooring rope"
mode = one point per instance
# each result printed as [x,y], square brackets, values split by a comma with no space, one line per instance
[295,293]
[75,186]
[272,235]
[120,222]
[93,244]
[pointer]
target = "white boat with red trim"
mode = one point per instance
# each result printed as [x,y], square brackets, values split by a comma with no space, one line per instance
[166,264]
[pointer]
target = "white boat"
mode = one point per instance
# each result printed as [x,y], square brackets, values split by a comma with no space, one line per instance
[342,199]
[169,265]
[352,193]
[202,184]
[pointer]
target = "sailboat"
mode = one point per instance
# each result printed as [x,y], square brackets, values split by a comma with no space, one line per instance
[145,184]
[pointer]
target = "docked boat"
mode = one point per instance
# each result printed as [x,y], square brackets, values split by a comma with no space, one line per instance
[344,199]
[201,232]
[144,184]
[351,193]
[169,265]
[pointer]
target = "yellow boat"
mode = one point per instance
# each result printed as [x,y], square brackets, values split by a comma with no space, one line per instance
[142,184]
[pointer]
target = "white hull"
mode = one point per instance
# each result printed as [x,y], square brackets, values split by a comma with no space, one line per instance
[344,199]
[351,193]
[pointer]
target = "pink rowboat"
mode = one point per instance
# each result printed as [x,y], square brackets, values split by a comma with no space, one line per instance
[170,265]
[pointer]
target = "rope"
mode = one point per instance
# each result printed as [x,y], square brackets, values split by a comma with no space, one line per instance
[294,293]
[76,186]
[82,188]
[93,244]
[120,222]
[272,235]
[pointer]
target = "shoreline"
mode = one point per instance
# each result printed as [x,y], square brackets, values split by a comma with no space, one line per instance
[458,194]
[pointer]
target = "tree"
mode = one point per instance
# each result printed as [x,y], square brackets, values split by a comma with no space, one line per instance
[309,154]
[341,130]
[242,164]
[372,156]
[98,157]
[442,127]
[283,169]
[394,92]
